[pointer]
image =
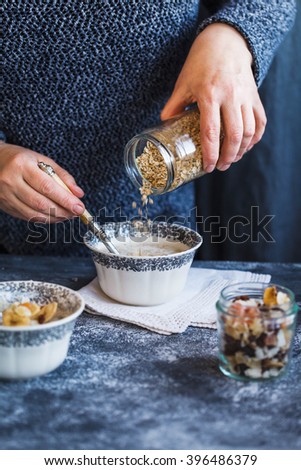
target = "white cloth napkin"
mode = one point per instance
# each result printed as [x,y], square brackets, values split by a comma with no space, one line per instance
[194,306]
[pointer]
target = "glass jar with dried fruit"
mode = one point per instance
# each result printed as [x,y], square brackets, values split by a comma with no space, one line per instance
[162,158]
[256,324]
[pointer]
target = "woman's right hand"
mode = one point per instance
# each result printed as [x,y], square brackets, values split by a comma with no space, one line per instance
[26,192]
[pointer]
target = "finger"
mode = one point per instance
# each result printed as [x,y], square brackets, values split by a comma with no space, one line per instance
[19,209]
[68,179]
[260,124]
[210,134]
[233,134]
[176,104]
[39,203]
[248,131]
[63,174]
[49,188]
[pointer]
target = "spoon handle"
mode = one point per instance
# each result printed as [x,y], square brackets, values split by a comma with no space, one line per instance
[86,217]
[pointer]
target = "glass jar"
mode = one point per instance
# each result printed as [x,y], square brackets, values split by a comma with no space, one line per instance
[164,157]
[255,341]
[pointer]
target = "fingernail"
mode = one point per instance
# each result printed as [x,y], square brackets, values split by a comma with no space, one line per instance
[77,209]
[79,189]
[209,168]
[223,167]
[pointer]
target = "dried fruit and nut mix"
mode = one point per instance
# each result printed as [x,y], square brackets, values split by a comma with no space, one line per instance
[28,313]
[256,335]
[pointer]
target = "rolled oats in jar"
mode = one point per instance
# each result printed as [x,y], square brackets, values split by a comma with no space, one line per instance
[162,158]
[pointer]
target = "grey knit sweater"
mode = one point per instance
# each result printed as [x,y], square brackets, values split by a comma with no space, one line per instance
[81,77]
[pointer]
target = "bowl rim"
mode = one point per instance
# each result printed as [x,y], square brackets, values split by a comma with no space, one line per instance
[53,324]
[170,255]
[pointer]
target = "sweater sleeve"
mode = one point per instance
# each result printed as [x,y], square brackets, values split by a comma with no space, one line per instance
[263,25]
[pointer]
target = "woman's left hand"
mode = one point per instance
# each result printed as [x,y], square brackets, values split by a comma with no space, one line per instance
[217,75]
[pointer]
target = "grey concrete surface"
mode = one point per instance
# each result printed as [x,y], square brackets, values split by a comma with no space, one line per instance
[123,387]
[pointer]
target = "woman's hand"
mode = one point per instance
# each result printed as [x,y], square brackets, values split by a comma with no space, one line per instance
[217,75]
[28,193]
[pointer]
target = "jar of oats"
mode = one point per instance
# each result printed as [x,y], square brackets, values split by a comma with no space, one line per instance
[162,158]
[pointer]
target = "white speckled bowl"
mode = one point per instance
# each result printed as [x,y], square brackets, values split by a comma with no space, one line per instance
[30,351]
[144,280]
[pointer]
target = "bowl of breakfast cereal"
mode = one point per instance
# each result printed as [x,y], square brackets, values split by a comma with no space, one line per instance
[36,323]
[153,261]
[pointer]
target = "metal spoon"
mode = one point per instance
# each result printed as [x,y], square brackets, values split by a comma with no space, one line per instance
[86,217]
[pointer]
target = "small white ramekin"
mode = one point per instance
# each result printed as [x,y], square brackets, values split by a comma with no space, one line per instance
[30,351]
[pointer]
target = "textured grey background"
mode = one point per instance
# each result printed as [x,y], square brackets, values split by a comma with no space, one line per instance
[122,387]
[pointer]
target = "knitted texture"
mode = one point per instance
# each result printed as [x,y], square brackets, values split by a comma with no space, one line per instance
[81,77]
[263,24]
